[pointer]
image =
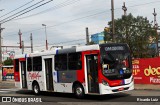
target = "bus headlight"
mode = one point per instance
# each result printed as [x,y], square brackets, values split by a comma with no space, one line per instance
[104,83]
[132,80]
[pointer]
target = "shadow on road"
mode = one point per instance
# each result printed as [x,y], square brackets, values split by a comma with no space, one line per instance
[69,96]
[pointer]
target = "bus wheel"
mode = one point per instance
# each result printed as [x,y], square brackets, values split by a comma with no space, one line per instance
[79,91]
[36,88]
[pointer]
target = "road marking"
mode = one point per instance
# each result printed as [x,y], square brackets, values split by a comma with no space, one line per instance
[8,90]
[4,91]
[11,89]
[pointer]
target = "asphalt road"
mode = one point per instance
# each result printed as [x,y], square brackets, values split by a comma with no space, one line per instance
[62,99]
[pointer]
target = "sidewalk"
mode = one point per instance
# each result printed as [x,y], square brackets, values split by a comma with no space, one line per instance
[8,84]
[146,87]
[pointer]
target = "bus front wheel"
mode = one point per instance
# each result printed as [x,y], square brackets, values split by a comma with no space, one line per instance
[36,89]
[79,91]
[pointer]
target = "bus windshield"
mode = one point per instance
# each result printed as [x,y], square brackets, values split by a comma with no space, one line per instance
[116,61]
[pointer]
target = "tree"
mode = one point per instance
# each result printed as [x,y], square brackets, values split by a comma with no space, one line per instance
[91,43]
[135,31]
[107,35]
[8,62]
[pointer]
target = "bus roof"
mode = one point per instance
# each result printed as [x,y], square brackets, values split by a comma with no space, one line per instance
[60,51]
[66,50]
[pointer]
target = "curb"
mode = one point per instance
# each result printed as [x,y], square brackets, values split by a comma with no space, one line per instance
[146,87]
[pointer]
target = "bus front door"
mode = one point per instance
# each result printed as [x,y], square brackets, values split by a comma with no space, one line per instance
[92,73]
[23,74]
[49,77]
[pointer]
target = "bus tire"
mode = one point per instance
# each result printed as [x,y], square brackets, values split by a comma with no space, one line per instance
[79,91]
[36,89]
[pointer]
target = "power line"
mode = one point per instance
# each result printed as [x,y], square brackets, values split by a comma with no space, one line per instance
[78,32]
[50,9]
[56,7]
[62,42]
[139,4]
[144,4]
[65,22]
[27,11]
[67,41]
[74,2]
[16,8]
[87,17]
[22,10]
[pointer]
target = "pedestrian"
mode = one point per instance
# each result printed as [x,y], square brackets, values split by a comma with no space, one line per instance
[4,75]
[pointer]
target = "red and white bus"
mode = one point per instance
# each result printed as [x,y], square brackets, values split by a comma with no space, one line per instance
[93,69]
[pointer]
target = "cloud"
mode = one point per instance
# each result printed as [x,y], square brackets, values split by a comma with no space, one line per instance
[68,22]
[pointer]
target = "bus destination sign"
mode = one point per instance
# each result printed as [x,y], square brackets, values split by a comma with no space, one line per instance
[114,48]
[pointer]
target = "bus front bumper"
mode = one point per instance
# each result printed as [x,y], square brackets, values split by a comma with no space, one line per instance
[111,90]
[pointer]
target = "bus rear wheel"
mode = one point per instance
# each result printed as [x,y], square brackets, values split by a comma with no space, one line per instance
[36,89]
[79,91]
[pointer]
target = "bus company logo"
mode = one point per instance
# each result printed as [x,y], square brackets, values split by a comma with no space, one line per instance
[135,62]
[152,71]
[6,99]
[34,75]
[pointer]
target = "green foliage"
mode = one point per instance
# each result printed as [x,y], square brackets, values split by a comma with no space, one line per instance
[91,43]
[107,35]
[135,31]
[8,62]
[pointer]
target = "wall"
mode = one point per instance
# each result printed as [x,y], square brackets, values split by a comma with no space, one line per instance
[146,70]
[98,38]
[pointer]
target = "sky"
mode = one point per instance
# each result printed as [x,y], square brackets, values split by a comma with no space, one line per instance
[65,20]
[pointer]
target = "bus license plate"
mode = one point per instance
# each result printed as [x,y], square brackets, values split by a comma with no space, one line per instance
[120,89]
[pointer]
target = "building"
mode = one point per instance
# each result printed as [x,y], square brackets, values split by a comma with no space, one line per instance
[8,55]
[98,38]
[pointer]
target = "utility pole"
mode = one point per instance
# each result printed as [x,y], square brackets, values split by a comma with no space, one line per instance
[113,25]
[124,8]
[87,36]
[156,27]
[46,36]
[31,43]
[20,39]
[22,47]
[1,45]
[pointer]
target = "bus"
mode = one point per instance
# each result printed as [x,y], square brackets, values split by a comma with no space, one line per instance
[93,69]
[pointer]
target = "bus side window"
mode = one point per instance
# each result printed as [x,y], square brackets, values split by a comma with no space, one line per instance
[74,61]
[17,65]
[29,64]
[37,63]
[61,62]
